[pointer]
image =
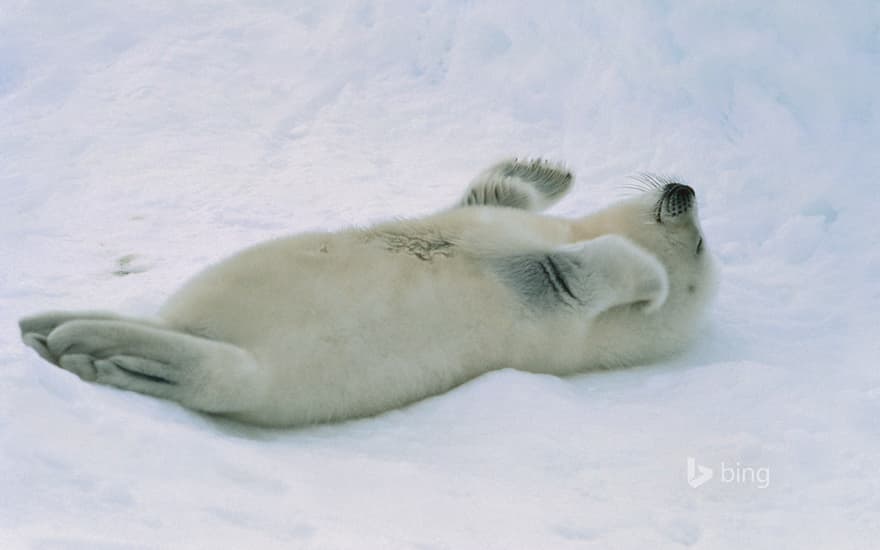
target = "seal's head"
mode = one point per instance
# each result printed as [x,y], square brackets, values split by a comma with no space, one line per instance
[663,219]
[671,229]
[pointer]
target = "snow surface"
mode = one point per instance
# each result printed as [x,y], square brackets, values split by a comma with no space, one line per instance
[142,140]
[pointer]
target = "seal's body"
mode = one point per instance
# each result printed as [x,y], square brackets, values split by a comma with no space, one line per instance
[328,326]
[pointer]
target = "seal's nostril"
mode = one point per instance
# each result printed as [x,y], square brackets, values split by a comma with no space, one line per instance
[679,190]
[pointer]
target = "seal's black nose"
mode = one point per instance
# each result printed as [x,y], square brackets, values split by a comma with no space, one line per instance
[677,199]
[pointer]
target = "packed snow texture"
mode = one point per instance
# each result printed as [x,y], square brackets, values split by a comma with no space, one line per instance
[143,140]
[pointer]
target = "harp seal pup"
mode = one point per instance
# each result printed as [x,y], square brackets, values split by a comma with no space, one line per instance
[328,326]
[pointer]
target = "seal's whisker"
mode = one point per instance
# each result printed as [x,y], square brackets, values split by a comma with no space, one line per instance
[634,187]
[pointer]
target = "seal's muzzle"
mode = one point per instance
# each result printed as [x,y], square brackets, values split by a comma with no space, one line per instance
[677,199]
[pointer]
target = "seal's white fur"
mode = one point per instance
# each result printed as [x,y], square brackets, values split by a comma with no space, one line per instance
[328,326]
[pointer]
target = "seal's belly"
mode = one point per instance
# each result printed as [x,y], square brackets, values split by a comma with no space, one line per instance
[344,298]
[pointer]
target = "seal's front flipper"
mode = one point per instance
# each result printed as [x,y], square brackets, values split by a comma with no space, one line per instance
[588,277]
[524,184]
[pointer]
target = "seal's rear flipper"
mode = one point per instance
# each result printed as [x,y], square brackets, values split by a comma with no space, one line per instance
[35,329]
[201,374]
[524,184]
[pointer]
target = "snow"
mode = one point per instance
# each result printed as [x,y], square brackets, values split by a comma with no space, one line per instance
[142,140]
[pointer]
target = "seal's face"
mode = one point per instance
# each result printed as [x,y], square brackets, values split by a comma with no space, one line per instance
[663,219]
[675,236]
[676,210]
